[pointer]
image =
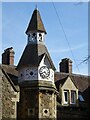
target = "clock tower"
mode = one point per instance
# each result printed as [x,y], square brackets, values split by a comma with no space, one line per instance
[36,75]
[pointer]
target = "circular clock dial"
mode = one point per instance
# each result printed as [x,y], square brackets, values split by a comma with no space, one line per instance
[44,72]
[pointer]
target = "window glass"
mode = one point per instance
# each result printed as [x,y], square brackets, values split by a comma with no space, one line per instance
[80,97]
[66,97]
[73,97]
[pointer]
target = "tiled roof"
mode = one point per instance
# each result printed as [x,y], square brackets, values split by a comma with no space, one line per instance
[10,69]
[11,74]
[60,82]
[36,23]
[32,56]
[81,81]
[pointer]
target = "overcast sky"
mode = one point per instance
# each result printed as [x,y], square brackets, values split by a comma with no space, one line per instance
[72,16]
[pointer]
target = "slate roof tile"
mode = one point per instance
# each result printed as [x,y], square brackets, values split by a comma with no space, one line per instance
[36,23]
[33,54]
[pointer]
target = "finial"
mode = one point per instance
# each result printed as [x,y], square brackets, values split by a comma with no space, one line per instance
[36,8]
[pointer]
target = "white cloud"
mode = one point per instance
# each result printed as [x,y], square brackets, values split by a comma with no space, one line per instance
[62,50]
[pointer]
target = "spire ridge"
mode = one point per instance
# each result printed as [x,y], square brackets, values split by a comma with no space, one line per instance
[36,23]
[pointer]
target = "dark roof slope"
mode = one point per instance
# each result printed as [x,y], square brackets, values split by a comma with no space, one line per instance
[36,23]
[29,56]
[11,74]
[10,69]
[60,82]
[80,80]
[33,54]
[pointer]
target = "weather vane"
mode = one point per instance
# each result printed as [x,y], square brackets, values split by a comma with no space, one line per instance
[36,5]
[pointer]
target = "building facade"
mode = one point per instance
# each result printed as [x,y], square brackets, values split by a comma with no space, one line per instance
[33,89]
[9,92]
[36,75]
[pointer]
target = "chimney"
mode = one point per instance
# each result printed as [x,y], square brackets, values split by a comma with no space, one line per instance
[8,56]
[66,65]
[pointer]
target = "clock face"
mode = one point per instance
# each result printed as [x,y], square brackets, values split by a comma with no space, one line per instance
[44,72]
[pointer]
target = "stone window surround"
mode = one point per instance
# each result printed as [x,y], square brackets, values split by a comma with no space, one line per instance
[69,92]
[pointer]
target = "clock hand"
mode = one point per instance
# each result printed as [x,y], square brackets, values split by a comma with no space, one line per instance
[45,72]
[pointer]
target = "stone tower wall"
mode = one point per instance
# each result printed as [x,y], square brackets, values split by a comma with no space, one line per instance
[47,105]
[36,104]
[28,105]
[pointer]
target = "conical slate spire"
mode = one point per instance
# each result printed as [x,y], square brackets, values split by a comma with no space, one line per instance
[33,53]
[36,23]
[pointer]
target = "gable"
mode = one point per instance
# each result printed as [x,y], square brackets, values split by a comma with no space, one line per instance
[6,77]
[81,81]
[45,61]
[68,84]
